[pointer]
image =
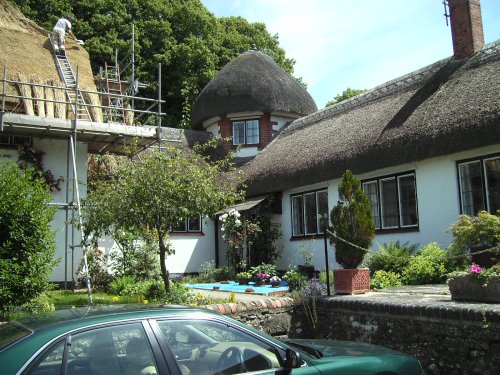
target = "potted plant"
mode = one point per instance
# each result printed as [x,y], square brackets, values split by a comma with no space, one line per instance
[477,284]
[244,277]
[306,268]
[275,281]
[261,278]
[351,232]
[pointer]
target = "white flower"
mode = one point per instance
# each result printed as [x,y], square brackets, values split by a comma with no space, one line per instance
[237,222]
[222,229]
[223,217]
[237,214]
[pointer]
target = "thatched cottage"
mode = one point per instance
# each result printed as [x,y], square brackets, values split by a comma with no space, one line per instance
[426,146]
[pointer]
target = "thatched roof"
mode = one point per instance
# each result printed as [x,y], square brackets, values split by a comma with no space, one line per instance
[447,107]
[25,50]
[251,82]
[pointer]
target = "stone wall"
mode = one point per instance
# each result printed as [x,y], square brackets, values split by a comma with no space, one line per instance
[447,337]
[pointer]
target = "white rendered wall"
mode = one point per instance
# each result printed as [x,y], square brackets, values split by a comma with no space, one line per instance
[438,207]
[55,160]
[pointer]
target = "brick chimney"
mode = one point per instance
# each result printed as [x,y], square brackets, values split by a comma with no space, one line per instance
[466,27]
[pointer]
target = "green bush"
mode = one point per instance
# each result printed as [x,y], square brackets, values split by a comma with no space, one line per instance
[474,234]
[224,273]
[385,279]
[322,277]
[27,243]
[427,267]
[268,268]
[155,291]
[98,271]
[295,280]
[391,257]
[121,284]
[179,294]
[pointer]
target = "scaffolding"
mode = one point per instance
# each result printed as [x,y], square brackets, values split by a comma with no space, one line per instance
[100,138]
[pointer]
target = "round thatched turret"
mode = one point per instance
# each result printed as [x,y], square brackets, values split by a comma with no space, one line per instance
[251,82]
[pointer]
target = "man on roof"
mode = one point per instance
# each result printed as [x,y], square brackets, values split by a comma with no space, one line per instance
[62,26]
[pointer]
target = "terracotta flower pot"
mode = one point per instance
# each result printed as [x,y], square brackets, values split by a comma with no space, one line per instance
[351,281]
[243,281]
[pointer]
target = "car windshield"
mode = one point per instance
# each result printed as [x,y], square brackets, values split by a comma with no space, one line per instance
[11,332]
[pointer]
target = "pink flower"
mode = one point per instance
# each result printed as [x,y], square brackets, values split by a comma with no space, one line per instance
[475,269]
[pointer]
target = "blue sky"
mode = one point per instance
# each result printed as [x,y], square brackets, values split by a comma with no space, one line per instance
[355,43]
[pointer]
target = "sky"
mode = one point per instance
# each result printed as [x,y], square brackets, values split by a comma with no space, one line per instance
[355,43]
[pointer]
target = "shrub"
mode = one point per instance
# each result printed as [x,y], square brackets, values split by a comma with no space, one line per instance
[314,287]
[427,267]
[98,271]
[391,257]
[120,284]
[269,269]
[155,291]
[294,279]
[477,233]
[385,279]
[27,243]
[179,294]
[224,273]
[352,221]
[322,277]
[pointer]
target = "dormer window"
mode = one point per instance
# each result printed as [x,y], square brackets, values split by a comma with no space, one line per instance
[246,132]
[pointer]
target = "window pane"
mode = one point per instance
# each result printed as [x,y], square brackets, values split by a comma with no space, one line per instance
[181,227]
[371,190]
[471,188]
[297,216]
[408,201]
[252,132]
[202,344]
[238,133]
[122,349]
[194,225]
[311,214]
[492,172]
[322,203]
[389,200]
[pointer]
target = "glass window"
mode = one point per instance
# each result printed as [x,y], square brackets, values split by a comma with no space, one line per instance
[479,184]
[199,345]
[309,213]
[407,201]
[188,225]
[118,350]
[393,201]
[297,215]
[371,190]
[389,203]
[246,132]
[238,133]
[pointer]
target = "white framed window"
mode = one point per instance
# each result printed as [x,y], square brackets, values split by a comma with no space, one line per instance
[309,213]
[479,185]
[191,225]
[393,201]
[246,132]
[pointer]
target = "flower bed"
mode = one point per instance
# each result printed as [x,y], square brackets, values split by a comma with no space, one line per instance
[477,284]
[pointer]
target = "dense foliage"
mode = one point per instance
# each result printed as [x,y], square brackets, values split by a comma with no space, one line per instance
[155,192]
[346,94]
[27,243]
[352,221]
[191,43]
[391,257]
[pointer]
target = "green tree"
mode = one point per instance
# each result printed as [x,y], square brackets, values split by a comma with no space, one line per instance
[190,42]
[352,221]
[346,94]
[154,193]
[27,243]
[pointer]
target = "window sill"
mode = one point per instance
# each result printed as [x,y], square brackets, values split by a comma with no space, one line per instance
[191,234]
[397,230]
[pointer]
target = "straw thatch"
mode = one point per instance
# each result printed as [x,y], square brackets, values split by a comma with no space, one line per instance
[25,92]
[447,107]
[92,98]
[251,82]
[38,93]
[25,49]
[49,105]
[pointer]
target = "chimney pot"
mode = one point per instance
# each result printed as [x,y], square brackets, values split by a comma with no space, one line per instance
[466,27]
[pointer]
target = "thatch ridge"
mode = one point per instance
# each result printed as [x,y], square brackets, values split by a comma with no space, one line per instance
[446,107]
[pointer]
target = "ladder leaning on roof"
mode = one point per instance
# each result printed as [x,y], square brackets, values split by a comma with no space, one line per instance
[68,77]
[113,87]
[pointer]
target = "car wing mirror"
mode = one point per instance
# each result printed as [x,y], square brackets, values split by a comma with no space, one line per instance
[292,360]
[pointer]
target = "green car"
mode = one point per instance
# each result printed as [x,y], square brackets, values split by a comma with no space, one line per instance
[125,340]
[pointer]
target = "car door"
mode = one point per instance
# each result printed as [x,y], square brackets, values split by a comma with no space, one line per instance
[212,346]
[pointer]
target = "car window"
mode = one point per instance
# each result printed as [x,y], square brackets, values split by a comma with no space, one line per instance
[205,347]
[114,350]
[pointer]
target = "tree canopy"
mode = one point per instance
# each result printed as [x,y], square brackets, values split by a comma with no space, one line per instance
[346,94]
[190,42]
[157,191]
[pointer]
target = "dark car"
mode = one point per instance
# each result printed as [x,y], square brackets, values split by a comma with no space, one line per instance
[121,340]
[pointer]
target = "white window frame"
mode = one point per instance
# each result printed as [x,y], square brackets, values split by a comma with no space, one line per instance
[187,228]
[246,124]
[302,196]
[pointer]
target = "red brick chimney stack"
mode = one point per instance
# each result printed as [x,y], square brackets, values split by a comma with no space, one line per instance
[466,27]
